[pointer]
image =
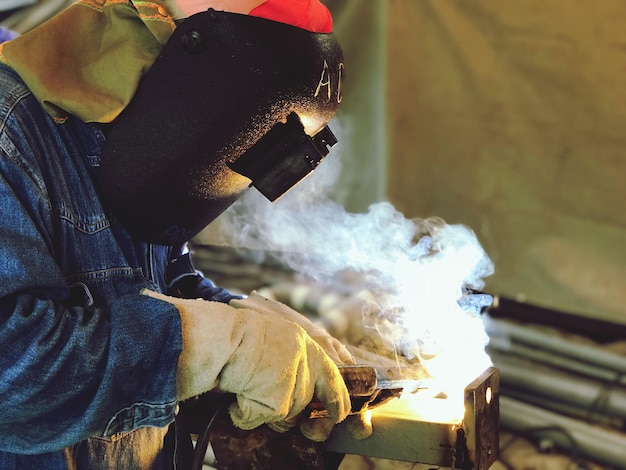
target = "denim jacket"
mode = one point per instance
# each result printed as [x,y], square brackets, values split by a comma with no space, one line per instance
[87,363]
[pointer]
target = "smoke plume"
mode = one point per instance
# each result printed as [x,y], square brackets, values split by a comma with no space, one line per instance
[422,272]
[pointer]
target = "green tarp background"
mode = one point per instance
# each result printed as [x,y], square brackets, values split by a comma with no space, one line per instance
[507,116]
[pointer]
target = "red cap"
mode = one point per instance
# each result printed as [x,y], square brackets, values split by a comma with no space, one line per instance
[311,15]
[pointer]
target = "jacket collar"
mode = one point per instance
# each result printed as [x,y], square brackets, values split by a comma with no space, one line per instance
[87,61]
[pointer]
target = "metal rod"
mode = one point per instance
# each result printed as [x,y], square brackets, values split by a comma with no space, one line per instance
[595,396]
[561,362]
[581,352]
[558,406]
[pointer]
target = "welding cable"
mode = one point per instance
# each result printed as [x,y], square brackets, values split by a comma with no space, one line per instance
[202,444]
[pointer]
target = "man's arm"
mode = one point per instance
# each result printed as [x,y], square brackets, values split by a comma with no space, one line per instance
[70,368]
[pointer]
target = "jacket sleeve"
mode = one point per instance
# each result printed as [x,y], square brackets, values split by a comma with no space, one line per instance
[71,373]
[68,371]
[184,281]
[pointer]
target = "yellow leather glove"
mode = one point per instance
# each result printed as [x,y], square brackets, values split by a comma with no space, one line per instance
[318,429]
[358,425]
[271,364]
[332,346]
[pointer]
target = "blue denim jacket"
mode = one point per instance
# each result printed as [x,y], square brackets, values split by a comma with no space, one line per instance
[87,364]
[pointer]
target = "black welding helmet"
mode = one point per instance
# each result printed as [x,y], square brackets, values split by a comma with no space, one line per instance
[232,101]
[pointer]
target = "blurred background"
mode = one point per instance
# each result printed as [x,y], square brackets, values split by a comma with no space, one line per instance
[506,117]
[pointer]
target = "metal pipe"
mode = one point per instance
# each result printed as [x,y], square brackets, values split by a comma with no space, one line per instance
[562,362]
[595,396]
[608,447]
[584,353]
[558,406]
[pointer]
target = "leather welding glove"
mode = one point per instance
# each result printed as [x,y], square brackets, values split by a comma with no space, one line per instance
[272,365]
[358,425]
[331,345]
[317,429]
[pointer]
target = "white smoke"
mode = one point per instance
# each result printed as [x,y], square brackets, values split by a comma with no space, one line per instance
[419,270]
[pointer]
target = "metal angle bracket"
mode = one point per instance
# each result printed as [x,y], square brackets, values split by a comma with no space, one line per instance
[480,428]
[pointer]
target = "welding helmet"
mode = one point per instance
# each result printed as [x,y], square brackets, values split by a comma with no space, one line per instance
[232,101]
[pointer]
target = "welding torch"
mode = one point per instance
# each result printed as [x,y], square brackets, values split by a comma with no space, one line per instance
[371,386]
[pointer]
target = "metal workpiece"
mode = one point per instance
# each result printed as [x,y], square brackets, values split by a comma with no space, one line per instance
[481,421]
[423,431]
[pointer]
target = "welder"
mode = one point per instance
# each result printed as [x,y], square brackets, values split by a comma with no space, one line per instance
[125,127]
